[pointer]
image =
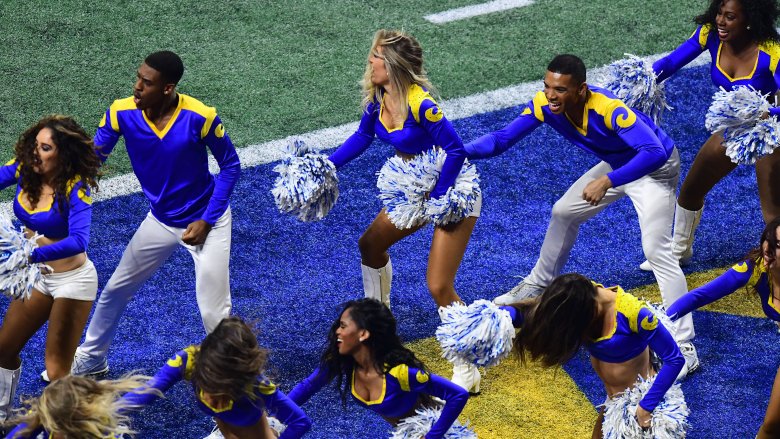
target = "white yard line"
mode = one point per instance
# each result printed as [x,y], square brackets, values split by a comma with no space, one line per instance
[476,10]
[326,138]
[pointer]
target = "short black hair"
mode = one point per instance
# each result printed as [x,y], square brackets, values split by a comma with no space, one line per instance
[568,65]
[168,64]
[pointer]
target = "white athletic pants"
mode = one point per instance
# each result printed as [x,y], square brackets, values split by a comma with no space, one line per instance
[150,246]
[654,199]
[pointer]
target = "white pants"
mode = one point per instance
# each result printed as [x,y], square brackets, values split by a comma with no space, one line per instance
[79,284]
[150,246]
[654,199]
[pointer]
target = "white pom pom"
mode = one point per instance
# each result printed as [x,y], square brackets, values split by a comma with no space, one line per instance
[404,186]
[417,426]
[480,334]
[633,81]
[276,425]
[738,114]
[307,185]
[17,274]
[669,419]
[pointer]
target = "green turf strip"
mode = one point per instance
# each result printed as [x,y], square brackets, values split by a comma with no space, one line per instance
[279,68]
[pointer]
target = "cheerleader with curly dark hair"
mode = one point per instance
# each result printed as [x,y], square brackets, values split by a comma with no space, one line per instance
[55,170]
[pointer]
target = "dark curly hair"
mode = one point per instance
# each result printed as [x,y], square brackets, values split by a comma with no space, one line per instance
[229,360]
[561,322]
[76,158]
[386,348]
[769,235]
[761,16]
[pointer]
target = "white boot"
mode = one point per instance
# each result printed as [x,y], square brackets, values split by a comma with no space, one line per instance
[465,374]
[9,380]
[377,282]
[685,224]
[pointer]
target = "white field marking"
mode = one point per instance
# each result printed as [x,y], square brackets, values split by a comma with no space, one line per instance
[327,138]
[476,10]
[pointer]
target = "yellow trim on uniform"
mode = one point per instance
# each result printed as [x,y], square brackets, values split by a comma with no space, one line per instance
[209,113]
[630,306]
[161,133]
[421,377]
[190,366]
[376,401]
[750,75]
[266,387]
[415,96]
[229,405]
[526,112]
[176,361]
[18,171]
[773,50]
[401,373]
[705,32]
[649,323]
[381,111]
[117,106]
[31,211]
[742,267]
[605,106]
[540,100]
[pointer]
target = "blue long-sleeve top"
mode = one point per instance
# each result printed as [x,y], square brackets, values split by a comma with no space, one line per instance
[425,127]
[243,412]
[402,386]
[765,76]
[748,273]
[625,138]
[172,164]
[636,328]
[69,223]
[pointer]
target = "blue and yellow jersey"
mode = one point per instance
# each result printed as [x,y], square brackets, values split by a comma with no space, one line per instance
[623,137]
[400,394]
[636,328]
[764,76]
[243,412]
[751,274]
[172,164]
[424,128]
[69,223]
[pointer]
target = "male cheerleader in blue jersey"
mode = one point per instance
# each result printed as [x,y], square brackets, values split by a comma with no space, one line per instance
[638,160]
[168,136]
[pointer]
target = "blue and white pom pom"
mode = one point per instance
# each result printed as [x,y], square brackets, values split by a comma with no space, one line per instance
[17,274]
[276,425]
[417,426]
[404,186]
[633,81]
[669,419]
[480,334]
[738,113]
[307,185]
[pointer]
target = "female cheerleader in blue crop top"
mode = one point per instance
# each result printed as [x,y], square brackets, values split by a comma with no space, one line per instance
[615,327]
[741,38]
[366,358]
[399,110]
[758,272]
[226,372]
[54,171]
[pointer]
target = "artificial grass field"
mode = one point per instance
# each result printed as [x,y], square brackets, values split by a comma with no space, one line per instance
[276,69]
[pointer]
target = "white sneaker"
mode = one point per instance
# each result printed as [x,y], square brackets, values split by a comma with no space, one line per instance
[645,266]
[87,365]
[523,290]
[467,376]
[691,359]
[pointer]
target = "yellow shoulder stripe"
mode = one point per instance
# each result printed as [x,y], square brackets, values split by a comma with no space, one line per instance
[540,100]
[703,34]
[196,106]
[629,306]
[401,373]
[606,106]
[192,352]
[773,50]
[266,387]
[117,106]
[758,269]
[416,97]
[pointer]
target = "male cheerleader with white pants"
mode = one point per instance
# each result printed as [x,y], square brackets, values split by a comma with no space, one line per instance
[167,135]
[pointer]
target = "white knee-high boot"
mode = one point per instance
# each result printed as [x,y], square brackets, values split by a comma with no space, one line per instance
[377,282]
[465,374]
[685,224]
[9,380]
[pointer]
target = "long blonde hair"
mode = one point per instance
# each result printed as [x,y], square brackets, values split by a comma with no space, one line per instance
[404,64]
[80,407]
